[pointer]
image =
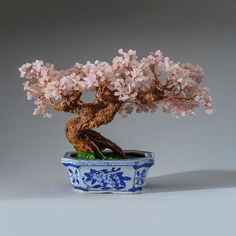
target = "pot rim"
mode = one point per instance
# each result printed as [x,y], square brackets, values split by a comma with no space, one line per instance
[147,159]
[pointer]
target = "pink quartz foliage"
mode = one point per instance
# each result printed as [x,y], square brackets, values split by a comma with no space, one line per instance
[126,77]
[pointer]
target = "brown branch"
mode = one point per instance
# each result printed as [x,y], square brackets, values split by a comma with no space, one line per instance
[156,76]
[182,98]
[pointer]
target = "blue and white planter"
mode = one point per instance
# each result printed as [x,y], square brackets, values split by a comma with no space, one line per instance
[99,176]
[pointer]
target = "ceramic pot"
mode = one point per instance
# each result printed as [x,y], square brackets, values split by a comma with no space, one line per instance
[114,176]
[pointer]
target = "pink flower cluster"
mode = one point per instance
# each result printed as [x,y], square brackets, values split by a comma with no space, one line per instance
[127,77]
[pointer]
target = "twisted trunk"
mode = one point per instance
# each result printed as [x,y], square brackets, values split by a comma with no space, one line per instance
[80,134]
[79,131]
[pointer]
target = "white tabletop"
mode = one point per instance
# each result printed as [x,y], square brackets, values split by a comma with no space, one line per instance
[187,203]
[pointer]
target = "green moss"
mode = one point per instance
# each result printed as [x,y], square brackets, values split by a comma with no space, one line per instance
[91,156]
[84,155]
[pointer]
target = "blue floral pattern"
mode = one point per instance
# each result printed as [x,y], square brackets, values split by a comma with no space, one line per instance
[74,175]
[140,177]
[106,179]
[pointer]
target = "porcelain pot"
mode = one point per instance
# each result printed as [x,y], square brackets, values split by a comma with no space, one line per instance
[114,176]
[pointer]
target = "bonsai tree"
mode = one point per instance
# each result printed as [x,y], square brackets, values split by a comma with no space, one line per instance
[125,86]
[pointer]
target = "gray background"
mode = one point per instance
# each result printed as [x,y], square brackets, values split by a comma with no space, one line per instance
[192,153]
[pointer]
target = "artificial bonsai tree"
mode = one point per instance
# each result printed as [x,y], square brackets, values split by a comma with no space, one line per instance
[125,86]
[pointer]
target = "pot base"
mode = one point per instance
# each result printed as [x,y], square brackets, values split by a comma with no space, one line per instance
[106,192]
